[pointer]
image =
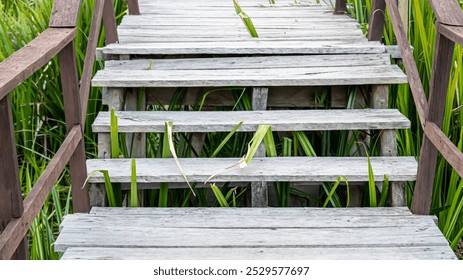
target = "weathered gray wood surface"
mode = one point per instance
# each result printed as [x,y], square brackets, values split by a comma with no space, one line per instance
[280,120]
[301,76]
[301,169]
[253,46]
[265,233]
[375,253]
[262,62]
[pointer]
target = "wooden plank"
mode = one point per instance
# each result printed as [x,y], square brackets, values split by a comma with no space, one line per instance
[134,7]
[14,233]
[95,222]
[257,238]
[454,33]
[276,24]
[246,47]
[221,31]
[314,76]
[442,64]
[64,13]
[259,190]
[449,151]
[109,22]
[244,211]
[11,201]
[340,7]
[84,88]
[447,12]
[409,62]
[143,21]
[27,60]
[205,38]
[292,169]
[375,253]
[376,25]
[279,120]
[73,114]
[264,62]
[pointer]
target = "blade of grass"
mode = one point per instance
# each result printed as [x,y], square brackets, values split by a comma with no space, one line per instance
[133,185]
[219,196]
[225,140]
[170,126]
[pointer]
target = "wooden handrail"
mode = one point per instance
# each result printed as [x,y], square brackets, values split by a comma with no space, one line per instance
[17,228]
[27,60]
[16,215]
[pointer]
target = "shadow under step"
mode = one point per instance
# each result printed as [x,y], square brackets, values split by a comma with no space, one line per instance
[291,169]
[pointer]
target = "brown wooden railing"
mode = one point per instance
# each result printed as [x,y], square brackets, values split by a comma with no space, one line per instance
[449,26]
[16,214]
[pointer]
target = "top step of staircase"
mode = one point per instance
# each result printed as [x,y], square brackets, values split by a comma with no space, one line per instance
[213,27]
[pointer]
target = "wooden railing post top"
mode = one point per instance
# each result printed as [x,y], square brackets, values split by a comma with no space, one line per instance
[447,12]
[65,13]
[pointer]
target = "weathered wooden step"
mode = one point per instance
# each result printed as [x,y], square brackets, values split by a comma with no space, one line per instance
[244,233]
[293,169]
[253,46]
[284,120]
[258,71]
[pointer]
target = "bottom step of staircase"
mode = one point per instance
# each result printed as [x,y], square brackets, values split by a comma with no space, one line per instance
[251,233]
[292,169]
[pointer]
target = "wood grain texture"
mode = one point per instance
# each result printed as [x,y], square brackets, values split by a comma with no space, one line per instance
[134,7]
[27,60]
[73,114]
[316,76]
[292,169]
[262,233]
[11,201]
[246,211]
[84,87]
[442,64]
[376,253]
[376,25]
[280,120]
[259,190]
[245,47]
[447,12]
[14,233]
[259,62]
[109,21]
[64,13]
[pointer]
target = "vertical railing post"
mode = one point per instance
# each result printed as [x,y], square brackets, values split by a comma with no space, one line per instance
[376,26]
[441,68]
[134,8]
[73,113]
[11,201]
[340,7]
[65,14]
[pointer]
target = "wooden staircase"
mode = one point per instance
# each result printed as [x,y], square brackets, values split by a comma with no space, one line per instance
[204,44]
